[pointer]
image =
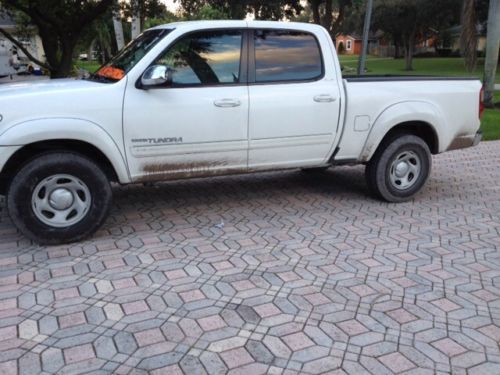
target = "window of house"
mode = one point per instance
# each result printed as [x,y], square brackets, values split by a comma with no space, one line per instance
[285,55]
[205,58]
[348,44]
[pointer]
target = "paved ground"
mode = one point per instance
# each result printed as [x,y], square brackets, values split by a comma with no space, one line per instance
[271,273]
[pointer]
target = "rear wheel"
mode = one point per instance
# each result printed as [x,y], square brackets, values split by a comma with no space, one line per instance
[399,168]
[59,197]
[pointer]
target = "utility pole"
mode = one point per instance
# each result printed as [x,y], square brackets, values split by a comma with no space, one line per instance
[492,45]
[366,33]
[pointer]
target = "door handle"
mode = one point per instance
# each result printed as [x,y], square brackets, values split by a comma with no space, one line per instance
[227,103]
[324,98]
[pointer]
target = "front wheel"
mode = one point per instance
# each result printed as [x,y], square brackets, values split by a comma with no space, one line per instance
[399,169]
[58,198]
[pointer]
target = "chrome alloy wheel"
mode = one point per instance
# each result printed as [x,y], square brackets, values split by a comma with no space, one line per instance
[405,170]
[61,200]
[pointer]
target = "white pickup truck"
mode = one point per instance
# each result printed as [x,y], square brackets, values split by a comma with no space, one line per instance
[209,98]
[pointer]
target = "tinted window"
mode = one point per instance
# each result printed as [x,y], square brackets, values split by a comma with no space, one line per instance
[205,58]
[282,55]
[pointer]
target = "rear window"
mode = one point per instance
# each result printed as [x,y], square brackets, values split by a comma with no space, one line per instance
[285,55]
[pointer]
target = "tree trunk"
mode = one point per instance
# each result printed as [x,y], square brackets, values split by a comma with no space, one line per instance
[492,46]
[63,69]
[90,50]
[409,49]
[118,27]
[315,11]
[136,19]
[468,36]
[236,10]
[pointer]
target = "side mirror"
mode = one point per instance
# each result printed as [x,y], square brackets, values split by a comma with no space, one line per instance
[156,75]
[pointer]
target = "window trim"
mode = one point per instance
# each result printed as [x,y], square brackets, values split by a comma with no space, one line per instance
[243,73]
[348,44]
[252,73]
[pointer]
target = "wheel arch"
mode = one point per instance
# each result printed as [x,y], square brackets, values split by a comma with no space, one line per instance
[65,134]
[417,118]
[420,129]
[30,151]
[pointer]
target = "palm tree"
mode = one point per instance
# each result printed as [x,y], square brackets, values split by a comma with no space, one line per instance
[135,5]
[468,36]
[117,25]
[492,46]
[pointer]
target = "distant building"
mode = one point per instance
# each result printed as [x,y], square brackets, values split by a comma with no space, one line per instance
[450,38]
[351,44]
[32,43]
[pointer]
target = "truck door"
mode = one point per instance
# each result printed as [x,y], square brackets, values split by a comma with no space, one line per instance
[294,100]
[197,125]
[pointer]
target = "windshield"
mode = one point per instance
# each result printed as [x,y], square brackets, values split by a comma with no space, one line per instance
[128,57]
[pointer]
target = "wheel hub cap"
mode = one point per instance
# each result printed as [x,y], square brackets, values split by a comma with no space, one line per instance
[402,169]
[405,170]
[61,199]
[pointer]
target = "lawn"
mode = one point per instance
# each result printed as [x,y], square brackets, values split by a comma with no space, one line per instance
[453,67]
[450,66]
[490,123]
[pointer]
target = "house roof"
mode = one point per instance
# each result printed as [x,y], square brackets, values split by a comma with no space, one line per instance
[456,30]
[356,36]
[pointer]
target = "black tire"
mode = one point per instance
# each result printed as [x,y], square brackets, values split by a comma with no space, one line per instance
[381,173]
[21,198]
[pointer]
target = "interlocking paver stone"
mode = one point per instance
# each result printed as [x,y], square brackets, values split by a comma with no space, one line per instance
[396,362]
[278,273]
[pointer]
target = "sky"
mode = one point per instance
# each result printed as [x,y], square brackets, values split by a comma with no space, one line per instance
[170,5]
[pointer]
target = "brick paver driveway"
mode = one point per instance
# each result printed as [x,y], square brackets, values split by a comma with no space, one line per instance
[272,273]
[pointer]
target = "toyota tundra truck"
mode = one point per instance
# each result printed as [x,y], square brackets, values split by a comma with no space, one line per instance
[209,98]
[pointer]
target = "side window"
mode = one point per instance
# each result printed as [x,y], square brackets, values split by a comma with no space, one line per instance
[349,45]
[285,55]
[205,58]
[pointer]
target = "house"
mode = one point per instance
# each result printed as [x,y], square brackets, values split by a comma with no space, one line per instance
[33,43]
[450,38]
[351,44]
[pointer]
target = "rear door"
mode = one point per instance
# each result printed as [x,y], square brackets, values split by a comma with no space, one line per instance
[294,103]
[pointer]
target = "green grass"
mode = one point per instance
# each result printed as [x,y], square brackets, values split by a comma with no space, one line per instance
[490,123]
[90,66]
[438,66]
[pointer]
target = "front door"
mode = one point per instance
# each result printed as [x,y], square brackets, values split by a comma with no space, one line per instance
[198,125]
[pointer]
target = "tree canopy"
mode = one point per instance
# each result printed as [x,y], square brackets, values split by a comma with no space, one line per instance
[60,24]
[238,9]
[407,20]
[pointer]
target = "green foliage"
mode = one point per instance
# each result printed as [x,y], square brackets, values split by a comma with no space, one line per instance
[238,9]
[208,12]
[149,9]
[168,17]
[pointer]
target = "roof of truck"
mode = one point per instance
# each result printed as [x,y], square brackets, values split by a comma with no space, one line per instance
[194,25]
